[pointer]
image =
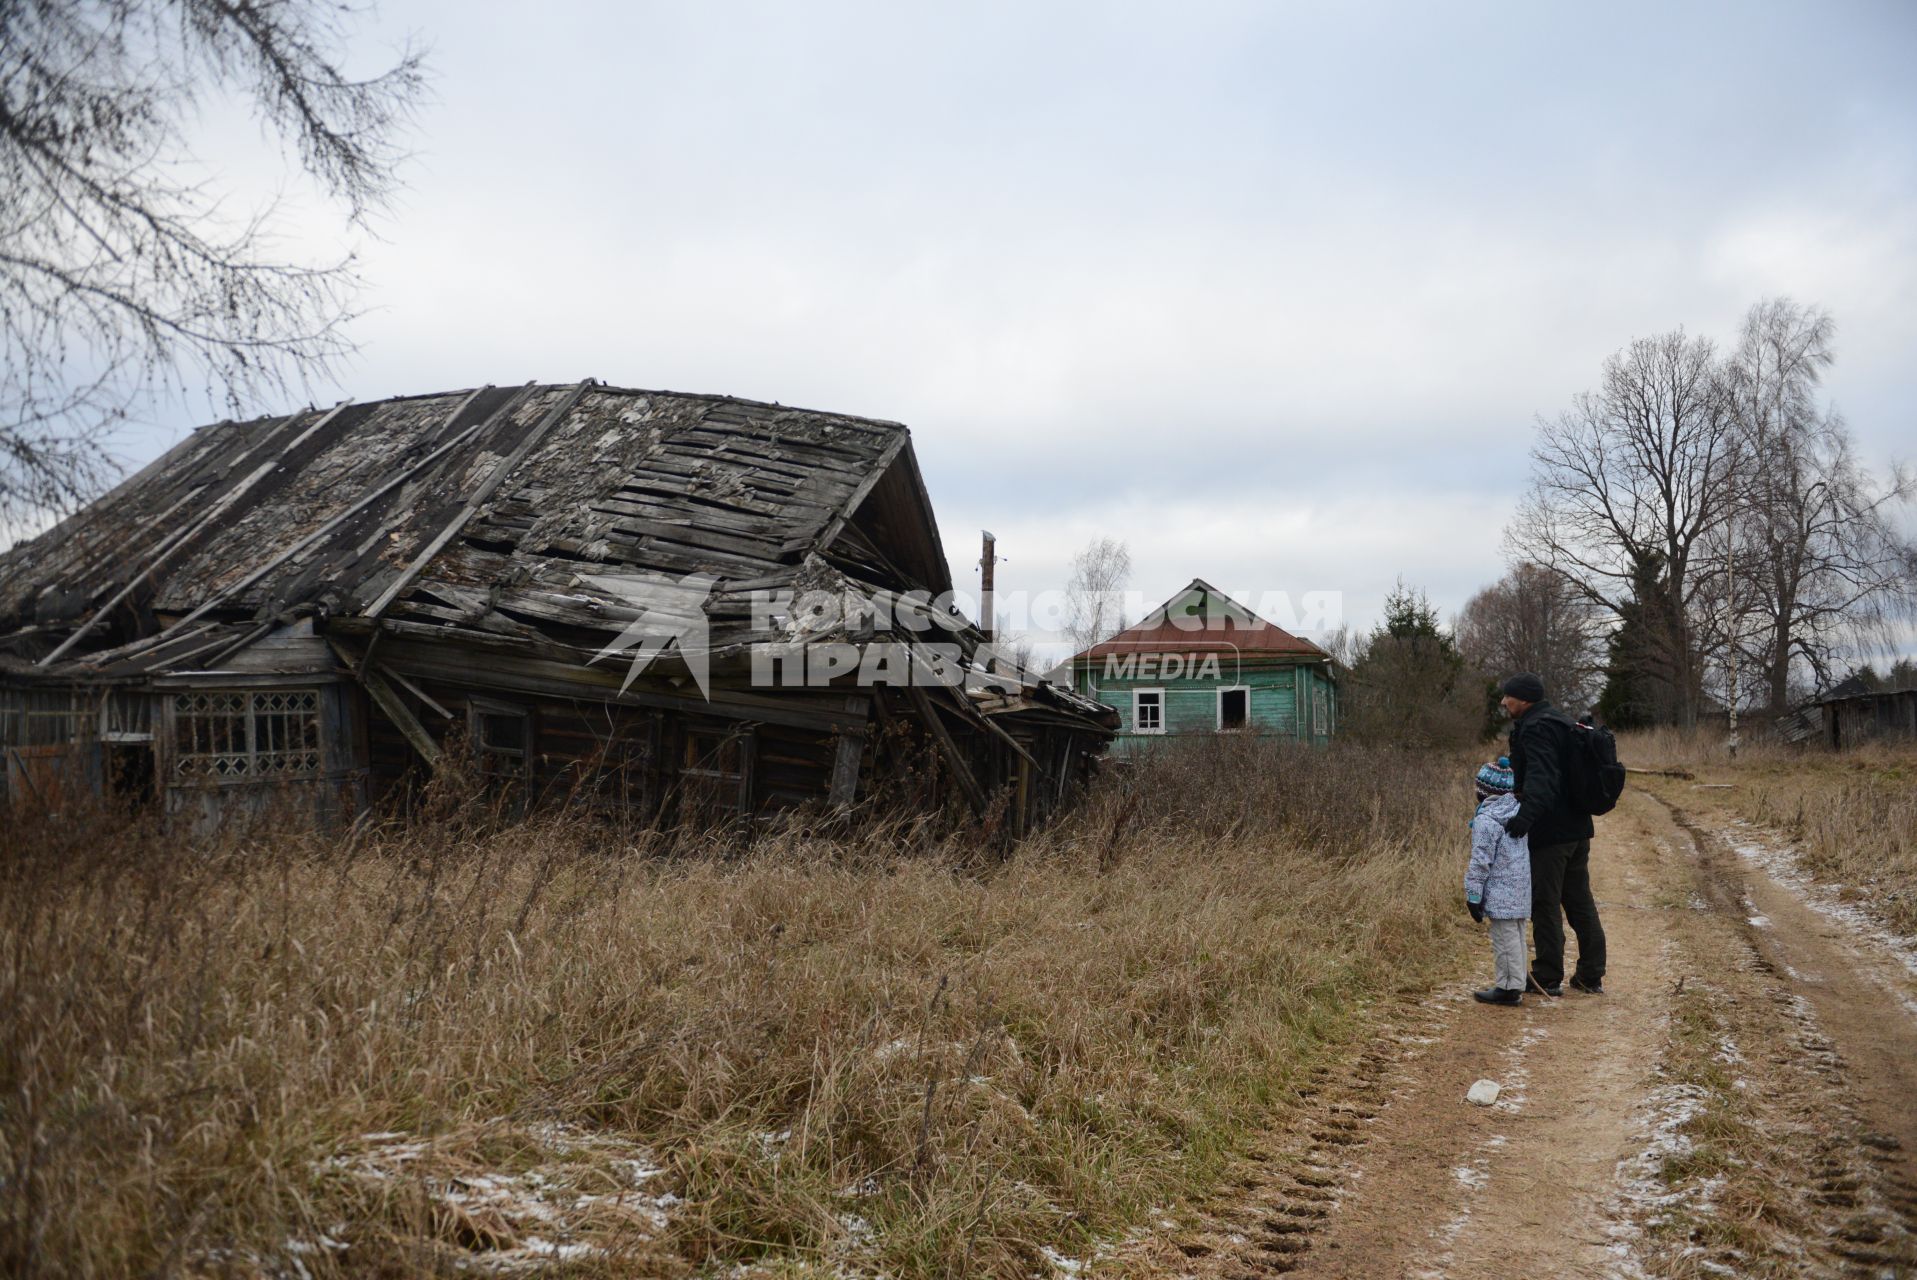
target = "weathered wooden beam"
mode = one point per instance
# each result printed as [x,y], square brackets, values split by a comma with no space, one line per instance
[172,546]
[859,491]
[433,653]
[386,699]
[425,699]
[486,489]
[955,758]
[845,766]
[400,714]
[376,493]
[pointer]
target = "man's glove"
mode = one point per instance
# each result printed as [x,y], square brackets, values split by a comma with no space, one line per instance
[1475,907]
[1517,826]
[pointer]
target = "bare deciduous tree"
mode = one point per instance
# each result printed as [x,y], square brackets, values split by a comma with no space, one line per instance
[122,274]
[1812,557]
[1535,620]
[1638,473]
[1095,595]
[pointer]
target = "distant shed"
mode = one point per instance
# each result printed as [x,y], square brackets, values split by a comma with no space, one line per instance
[1856,718]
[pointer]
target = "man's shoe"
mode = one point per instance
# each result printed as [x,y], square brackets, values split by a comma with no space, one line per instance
[1498,995]
[1531,983]
[1589,986]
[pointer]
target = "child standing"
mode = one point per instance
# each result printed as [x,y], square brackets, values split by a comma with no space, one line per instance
[1497,884]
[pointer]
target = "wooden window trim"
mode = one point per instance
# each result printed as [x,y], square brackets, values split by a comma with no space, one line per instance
[746,742]
[1219,707]
[490,758]
[1137,725]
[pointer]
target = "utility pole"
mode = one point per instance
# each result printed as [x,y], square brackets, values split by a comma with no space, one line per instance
[988,619]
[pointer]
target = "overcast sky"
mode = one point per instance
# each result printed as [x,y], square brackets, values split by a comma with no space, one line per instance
[1273,292]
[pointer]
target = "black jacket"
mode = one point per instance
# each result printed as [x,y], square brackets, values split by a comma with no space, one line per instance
[1540,753]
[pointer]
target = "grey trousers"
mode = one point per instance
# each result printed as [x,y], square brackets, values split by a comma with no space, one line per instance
[1508,952]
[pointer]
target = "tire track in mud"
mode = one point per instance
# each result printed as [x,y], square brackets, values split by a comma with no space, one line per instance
[1273,1212]
[1302,1181]
[1840,1070]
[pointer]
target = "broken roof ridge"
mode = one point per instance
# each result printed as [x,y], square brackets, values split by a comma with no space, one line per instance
[597,385]
[722,398]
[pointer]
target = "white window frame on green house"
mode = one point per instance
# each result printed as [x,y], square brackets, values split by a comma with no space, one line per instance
[1224,689]
[1137,724]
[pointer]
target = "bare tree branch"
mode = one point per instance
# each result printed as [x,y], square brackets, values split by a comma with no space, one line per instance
[120,278]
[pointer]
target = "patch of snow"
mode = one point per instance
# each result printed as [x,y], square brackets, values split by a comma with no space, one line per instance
[891,1049]
[1062,1265]
[542,1205]
[1643,1199]
[1470,1176]
[1784,866]
[1517,1077]
[556,1251]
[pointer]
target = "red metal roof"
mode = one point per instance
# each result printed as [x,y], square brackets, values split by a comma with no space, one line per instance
[1224,627]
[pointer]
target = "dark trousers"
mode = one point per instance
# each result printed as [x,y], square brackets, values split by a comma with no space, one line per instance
[1561,890]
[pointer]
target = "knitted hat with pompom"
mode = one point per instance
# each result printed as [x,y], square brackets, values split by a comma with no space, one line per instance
[1495,779]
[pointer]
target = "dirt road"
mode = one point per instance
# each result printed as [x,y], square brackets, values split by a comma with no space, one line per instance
[1743,1101]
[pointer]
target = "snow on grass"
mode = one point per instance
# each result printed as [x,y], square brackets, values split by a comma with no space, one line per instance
[1782,864]
[564,1194]
[1063,1265]
[1644,1199]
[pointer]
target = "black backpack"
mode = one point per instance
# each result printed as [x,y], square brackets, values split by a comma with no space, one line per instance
[1593,778]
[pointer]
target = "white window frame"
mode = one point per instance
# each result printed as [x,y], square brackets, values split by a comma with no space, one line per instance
[1136,694]
[1224,689]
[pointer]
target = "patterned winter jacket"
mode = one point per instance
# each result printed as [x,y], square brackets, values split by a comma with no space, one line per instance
[1500,867]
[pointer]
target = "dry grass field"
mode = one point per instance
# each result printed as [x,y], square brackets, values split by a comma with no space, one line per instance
[1850,817]
[467,1046]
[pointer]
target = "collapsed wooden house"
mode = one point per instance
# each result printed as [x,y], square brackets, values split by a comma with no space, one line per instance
[663,604]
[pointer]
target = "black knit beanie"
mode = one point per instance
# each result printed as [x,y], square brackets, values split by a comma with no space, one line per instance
[1525,687]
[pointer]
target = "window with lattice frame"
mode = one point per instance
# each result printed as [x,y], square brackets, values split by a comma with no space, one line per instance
[715,773]
[247,734]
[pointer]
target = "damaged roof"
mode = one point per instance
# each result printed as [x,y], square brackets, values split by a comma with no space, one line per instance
[489,511]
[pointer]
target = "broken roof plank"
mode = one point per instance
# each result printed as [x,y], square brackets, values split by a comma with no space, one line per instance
[495,478]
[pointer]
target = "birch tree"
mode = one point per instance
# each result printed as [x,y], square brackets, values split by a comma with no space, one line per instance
[1814,558]
[1095,594]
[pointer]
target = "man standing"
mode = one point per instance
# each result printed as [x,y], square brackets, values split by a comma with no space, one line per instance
[1541,758]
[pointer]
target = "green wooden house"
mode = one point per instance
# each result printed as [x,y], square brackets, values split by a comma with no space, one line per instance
[1203,663]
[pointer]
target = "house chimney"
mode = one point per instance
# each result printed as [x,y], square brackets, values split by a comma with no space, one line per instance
[988,619]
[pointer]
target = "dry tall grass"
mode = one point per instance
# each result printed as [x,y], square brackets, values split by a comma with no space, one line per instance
[1851,815]
[465,1047]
